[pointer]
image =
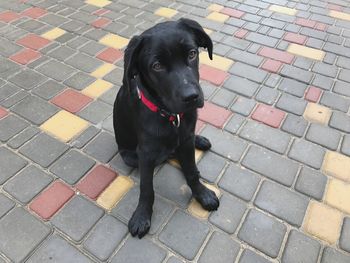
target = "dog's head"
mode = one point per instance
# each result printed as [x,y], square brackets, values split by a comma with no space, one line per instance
[165,58]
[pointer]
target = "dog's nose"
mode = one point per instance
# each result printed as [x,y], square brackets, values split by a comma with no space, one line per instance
[190,96]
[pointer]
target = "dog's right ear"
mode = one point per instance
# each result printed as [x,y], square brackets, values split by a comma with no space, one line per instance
[130,59]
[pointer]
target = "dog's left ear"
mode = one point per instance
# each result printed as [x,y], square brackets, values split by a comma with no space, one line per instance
[202,38]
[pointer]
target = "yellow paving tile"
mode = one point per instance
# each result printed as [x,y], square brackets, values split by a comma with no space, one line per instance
[53,33]
[114,41]
[208,31]
[338,195]
[218,62]
[218,17]
[339,15]
[64,125]
[97,88]
[165,12]
[215,7]
[103,70]
[98,3]
[337,165]
[317,113]
[197,153]
[323,222]
[307,52]
[196,209]
[115,191]
[283,10]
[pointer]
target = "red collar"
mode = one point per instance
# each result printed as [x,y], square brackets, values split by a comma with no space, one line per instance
[172,117]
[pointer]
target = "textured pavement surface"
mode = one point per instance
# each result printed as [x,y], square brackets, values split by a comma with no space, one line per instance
[277,113]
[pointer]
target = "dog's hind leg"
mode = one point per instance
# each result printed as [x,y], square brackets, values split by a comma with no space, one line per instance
[201,143]
[130,158]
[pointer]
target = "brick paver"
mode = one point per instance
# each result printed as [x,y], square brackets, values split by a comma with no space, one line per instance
[277,102]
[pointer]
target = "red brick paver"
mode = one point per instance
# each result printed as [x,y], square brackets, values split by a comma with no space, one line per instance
[3,112]
[213,75]
[213,114]
[33,41]
[34,12]
[110,55]
[275,54]
[268,115]
[8,16]
[241,33]
[305,22]
[71,100]
[271,65]
[232,12]
[101,22]
[295,38]
[25,56]
[313,94]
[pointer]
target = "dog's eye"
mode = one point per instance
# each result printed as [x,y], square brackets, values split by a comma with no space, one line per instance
[157,66]
[192,54]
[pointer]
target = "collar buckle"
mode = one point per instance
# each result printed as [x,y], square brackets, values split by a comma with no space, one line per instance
[176,121]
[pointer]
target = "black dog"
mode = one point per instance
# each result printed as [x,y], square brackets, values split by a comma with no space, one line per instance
[155,111]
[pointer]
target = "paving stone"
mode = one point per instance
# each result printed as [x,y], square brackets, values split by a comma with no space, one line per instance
[293,87]
[103,147]
[324,69]
[84,62]
[34,109]
[262,232]
[10,164]
[224,143]
[331,255]
[211,166]
[282,203]
[342,88]
[127,205]
[20,224]
[48,90]
[229,213]
[85,137]
[56,70]
[174,260]
[346,145]
[345,235]
[262,39]
[304,63]
[335,101]
[77,218]
[23,137]
[243,106]
[10,126]
[57,249]
[7,90]
[7,68]
[266,136]
[61,53]
[43,149]
[223,98]
[307,153]
[147,251]
[270,165]
[105,237]
[79,81]
[220,248]
[72,166]
[324,136]
[9,102]
[311,183]
[294,125]
[214,115]
[245,57]
[27,79]
[296,73]
[322,82]
[300,248]
[234,123]
[249,256]
[267,95]
[6,204]
[27,184]
[241,86]
[291,104]
[340,121]
[248,72]
[119,165]
[96,111]
[184,234]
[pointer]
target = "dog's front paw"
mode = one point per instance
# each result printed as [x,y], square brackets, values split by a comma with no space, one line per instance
[206,198]
[140,222]
[202,143]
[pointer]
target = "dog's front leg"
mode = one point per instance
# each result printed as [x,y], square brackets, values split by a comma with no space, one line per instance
[186,157]
[140,222]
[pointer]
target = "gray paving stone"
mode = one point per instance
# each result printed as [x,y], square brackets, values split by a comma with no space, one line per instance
[343,62]
[7,68]
[266,136]
[249,72]
[49,89]
[10,164]
[115,76]
[293,87]
[243,106]
[72,166]
[211,166]
[85,137]
[96,111]
[340,121]
[307,153]
[345,148]
[84,62]
[109,95]
[220,248]
[10,126]
[322,82]
[271,165]
[146,252]
[344,75]
[344,241]
[58,250]
[282,203]
[330,255]
[105,237]
[119,165]
[223,98]
[291,104]
[54,20]
[184,234]
[300,248]
[229,213]
[241,86]
[294,125]
[240,182]
[272,80]
[224,143]
[92,48]
[335,101]
[8,48]
[43,149]
[311,183]
[61,53]
[174,260]
[77,217]
[303,63]
[27,79]
[234,123]
[23,137]
[249,256]
[296,73]
[34,109]
[267,95]
[103,147]
[208,89]
[27,184]
[262,232]
[20,225]
[56,70]
[342,88]
[7,90]
[324,136]
[262,39]
[6,204]
[245,57]
[324,69]
[126,207]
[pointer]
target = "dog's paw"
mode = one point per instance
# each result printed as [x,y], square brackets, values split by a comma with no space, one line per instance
[207,198]
[202,143]
[140,223]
